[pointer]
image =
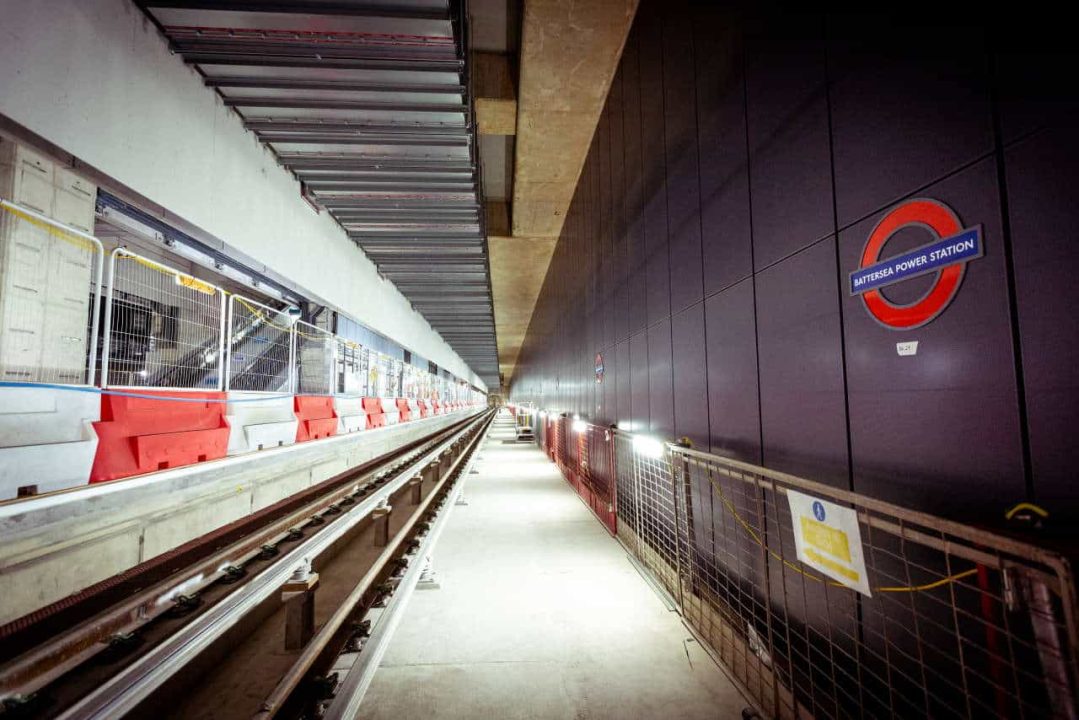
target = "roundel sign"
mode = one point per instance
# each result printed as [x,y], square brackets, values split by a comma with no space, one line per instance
[946,257]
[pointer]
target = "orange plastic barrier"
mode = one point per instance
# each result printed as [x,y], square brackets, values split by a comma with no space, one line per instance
[141,435]
[317,417]
[404,412]
[424,412]
[376,417]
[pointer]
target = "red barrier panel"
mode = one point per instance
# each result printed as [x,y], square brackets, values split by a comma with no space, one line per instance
[404,413]
[141,435]
[424,412]
[317,417]
[376,417]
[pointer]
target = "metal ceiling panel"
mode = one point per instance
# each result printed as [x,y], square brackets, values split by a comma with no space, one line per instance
[367,103]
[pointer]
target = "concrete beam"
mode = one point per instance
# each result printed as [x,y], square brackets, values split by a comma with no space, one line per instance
[493,82]
[518,269]
[569,55]
[498,218]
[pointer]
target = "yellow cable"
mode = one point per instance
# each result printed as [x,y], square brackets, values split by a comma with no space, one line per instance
[65,235]
[889,589]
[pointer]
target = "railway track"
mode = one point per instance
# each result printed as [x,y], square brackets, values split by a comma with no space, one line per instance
[283,614]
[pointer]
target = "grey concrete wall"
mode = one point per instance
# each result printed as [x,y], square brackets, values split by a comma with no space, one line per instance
[96,78]
[55,545]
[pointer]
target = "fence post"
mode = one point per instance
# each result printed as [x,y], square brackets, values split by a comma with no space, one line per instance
[1044,622]
[107,342]
[227,359]
[221,344]
[292,359]
[677,527]
[95,320]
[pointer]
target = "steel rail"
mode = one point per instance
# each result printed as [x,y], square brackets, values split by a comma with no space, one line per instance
[44,664]
[346,702]
[374,648]
[136,683]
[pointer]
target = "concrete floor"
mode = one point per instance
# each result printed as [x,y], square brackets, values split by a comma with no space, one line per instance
[539,615]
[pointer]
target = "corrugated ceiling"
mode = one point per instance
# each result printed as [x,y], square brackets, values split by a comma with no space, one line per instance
[368,104]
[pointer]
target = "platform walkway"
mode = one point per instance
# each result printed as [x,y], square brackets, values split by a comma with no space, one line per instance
[539,614]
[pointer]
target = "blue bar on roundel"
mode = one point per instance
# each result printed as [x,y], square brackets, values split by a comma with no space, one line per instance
[962,247]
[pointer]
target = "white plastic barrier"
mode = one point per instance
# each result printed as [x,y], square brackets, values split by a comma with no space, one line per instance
[260,421]
[47,439]
[350,414]
[389,407]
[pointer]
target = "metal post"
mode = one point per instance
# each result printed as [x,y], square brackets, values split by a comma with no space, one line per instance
[292,359]
[228,346]
[677,549]
[107,342]
[95,320]
[221,345]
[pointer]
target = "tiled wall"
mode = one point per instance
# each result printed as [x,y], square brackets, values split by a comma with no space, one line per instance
[736,172]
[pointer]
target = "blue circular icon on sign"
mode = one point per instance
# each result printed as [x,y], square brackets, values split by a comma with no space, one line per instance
[818,510]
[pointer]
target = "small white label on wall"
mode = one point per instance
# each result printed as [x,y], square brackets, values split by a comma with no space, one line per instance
[907,348]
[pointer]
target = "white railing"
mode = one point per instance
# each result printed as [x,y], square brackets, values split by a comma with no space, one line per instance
[315,351]
[164,328]
[261,347]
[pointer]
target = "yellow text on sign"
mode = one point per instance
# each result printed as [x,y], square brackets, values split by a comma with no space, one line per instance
[832,565]
[824,537]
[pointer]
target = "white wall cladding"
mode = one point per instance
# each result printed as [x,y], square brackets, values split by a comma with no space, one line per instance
[96,78]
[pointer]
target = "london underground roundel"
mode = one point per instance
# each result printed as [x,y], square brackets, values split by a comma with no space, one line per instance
[946,257]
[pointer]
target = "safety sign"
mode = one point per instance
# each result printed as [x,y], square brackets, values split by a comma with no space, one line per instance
[946,256]
[827,539]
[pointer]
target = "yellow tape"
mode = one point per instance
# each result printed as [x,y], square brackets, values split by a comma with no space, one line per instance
[886,589]
[65,235]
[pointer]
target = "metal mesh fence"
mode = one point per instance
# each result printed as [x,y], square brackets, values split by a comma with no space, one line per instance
[314,359]
[352,359]
[50,280]
[260,347]
[961,623]
[163,328]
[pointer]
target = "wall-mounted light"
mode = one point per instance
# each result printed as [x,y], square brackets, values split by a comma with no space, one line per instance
[625,425]
[647,446]
[579,425]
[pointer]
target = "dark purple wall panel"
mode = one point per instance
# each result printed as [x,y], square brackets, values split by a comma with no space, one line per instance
[625,386]
[911,417]
[803,414]
[734,410]
[638,350]
[705,226]
[789,162]
[903,113]
[724,165]
[683,187]
[1043,173]
[660,380]
[689,366]
[653,164]
[634,207]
